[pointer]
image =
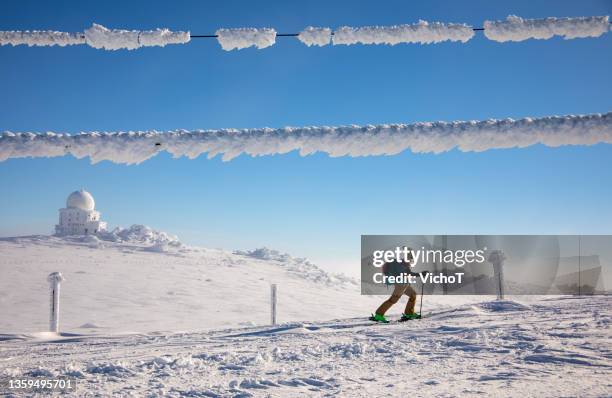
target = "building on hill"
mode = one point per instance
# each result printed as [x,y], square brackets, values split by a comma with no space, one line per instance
[79,217]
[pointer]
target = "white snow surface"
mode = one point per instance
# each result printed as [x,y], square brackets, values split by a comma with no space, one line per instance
[142,234]
[312,36]
[98,36]
[386,139]
[518,29]
[40,38]
[139,279]
[298,266]
[422,32]
[530,347]
[194,323]
[239,38]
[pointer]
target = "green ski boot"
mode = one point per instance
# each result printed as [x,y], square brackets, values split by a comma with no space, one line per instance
[379,318]
[408,317]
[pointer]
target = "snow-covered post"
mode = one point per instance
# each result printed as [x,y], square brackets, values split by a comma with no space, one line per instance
[497,258]
[273,304]
[55,279]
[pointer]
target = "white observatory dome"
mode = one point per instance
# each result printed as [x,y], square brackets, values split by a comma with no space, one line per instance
[80,200]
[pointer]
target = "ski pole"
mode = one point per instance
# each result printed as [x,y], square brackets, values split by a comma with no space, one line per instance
[421,306]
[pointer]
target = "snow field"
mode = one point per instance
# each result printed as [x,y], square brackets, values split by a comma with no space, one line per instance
[142,280]
[538,347]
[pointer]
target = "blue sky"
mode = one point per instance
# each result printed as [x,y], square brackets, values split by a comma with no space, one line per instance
[314,206]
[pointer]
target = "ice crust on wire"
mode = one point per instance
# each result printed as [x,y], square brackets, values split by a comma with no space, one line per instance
[40,38]
[312,36]
[422,32]
[239,38]
[386,139]
[98,36]
[518,29]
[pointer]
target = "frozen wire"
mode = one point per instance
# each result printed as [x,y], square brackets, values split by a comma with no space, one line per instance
[353,141]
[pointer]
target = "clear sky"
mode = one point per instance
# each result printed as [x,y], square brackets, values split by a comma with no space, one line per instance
[314,206]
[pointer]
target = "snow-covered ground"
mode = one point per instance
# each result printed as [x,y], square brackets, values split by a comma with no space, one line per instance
[555,347]
[140,280]
[142,316]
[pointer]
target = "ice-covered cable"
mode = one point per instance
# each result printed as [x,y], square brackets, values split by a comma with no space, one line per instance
[312,36]
[239,38]
[40,38]
[97,36]
[518,29]
[422,32]
[386,139]
[512,29]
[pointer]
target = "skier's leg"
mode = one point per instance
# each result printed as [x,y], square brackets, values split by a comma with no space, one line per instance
[412,294]
[398,290]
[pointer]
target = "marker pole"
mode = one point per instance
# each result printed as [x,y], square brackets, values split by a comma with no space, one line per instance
[55,279]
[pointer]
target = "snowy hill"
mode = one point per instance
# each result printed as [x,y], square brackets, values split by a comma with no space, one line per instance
[144,315]
[139,279]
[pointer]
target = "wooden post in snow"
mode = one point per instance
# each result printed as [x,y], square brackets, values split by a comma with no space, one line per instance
[497,258]
[273,304]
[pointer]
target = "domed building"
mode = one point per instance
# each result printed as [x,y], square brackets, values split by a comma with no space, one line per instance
[79,217]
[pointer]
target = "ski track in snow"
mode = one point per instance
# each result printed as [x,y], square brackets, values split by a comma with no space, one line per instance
[557,346]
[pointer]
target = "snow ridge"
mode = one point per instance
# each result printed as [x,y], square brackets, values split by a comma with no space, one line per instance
[142,234]
[422,32]
[115,39]
[385,139]
[40,38]
[518,29]
[149,239]
[312,36]
[240,38]
[301,267]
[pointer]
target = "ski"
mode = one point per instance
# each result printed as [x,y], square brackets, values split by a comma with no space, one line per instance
[394,321]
